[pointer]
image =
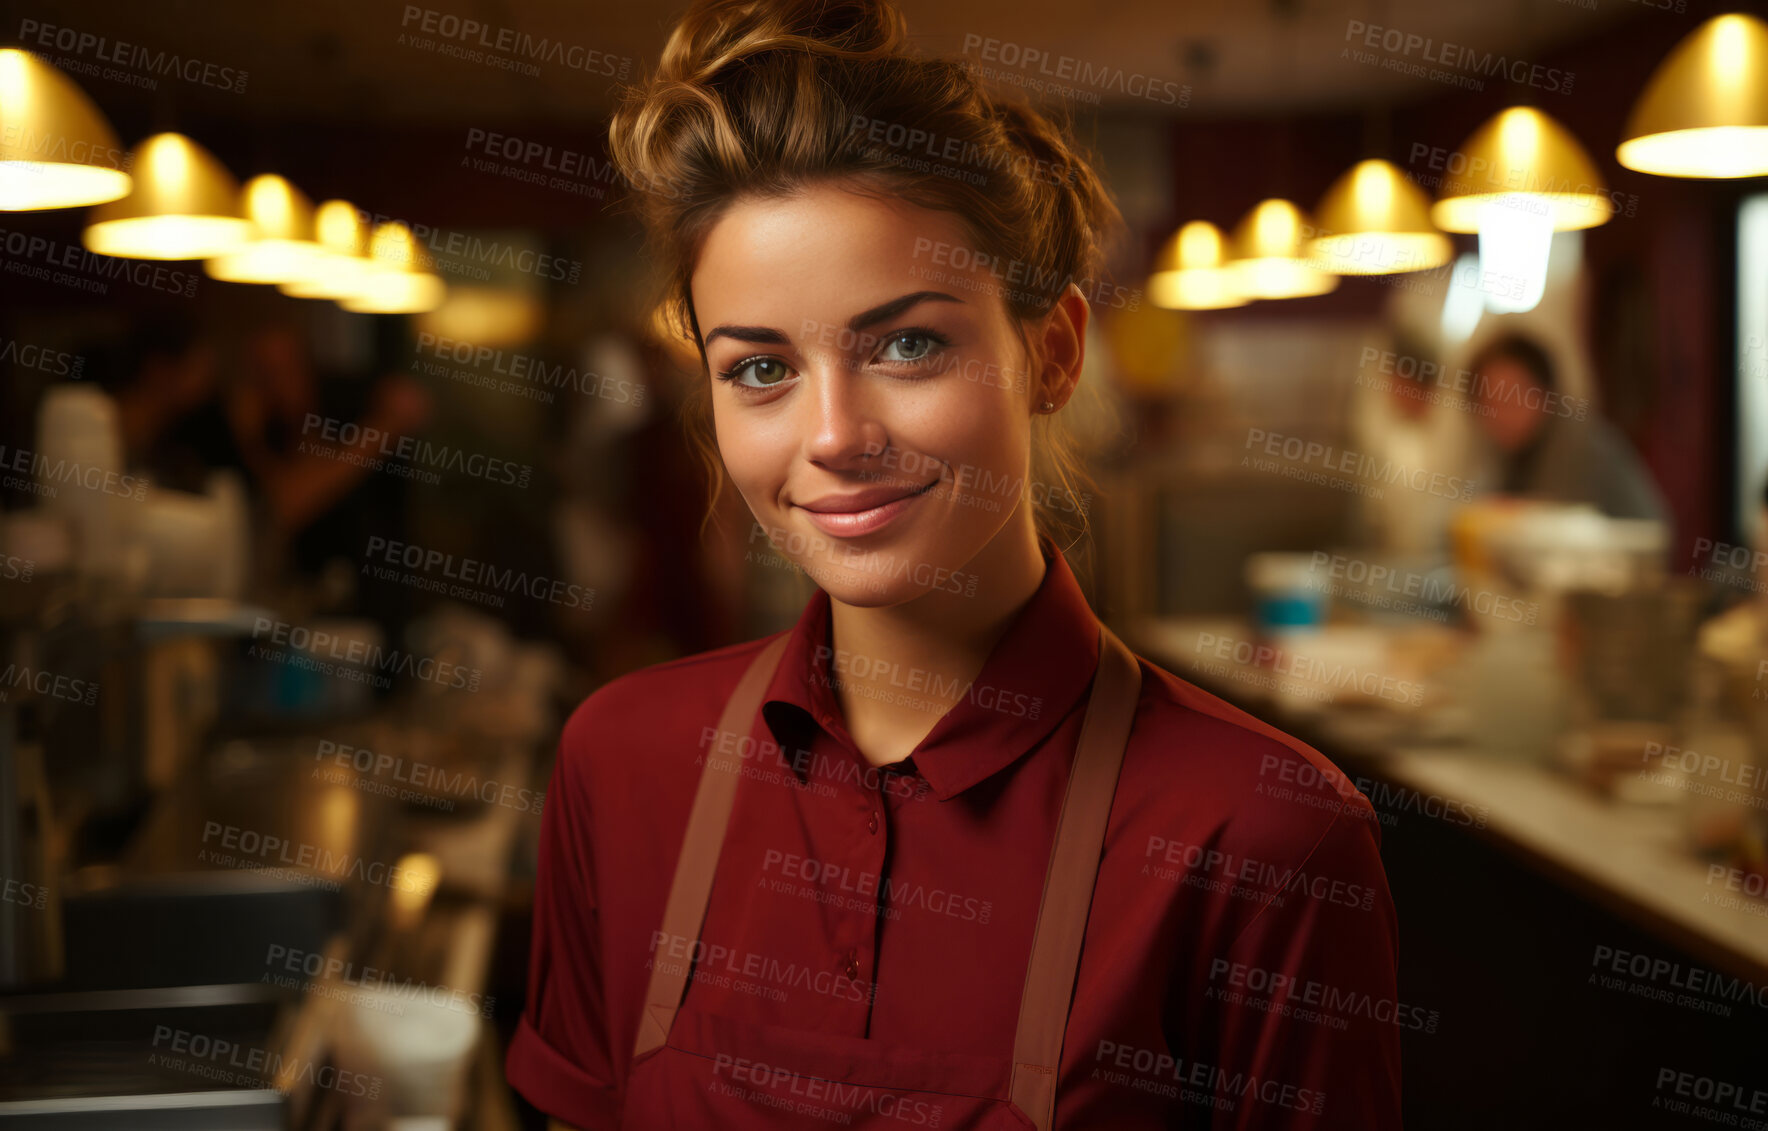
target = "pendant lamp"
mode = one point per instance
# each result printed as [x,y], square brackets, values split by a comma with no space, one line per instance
[1704,111]
[342,263]
[282,247]
[1191,271]
[1373,221]
[402,279]
[56,149]
[184,205]
[1524,159]
[1270,257]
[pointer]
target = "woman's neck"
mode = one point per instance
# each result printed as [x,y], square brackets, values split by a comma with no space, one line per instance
[898,669]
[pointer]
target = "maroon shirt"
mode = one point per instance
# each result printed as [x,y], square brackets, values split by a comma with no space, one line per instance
[1239,962]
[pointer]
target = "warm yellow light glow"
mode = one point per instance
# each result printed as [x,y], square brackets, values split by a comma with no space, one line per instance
[1201,244]
[1270,258]
[1197,290]
[184,205]
[56,149]
[485,316]
[420,873]
[1704,111]
[283,248]
[401,279]
[396,293]
[1190,272]
[1521,156]
[1373,221]
[338,271]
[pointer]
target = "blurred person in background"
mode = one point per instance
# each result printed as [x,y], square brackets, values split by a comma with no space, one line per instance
[169,408]
[184,412]
[1403,413]
[1551,445]
[302,476]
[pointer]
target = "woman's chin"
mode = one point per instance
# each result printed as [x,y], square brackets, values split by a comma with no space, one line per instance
[862,588]
[859,588]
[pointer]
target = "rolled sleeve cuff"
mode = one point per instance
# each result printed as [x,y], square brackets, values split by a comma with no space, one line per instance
[552,1083]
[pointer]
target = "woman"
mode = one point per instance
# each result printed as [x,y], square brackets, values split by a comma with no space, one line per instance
[945,853]
[1551,446]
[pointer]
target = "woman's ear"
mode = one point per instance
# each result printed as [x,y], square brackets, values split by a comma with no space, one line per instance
[1064,346]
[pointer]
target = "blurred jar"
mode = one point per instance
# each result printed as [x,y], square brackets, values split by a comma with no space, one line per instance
[1718,773]
[1287,596]
[1630,658]
[1514,692]
[415,1047]
[79,476]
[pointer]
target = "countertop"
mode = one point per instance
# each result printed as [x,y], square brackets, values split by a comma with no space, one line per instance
[1630,858]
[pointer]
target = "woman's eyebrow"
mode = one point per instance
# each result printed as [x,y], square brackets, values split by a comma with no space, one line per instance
[772,336]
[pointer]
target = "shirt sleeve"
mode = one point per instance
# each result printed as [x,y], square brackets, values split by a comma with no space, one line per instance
[559,1058]
[1306,1021]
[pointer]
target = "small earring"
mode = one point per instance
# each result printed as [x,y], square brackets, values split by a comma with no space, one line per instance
[1047,406]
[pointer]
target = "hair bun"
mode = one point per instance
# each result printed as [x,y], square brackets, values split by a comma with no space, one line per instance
[713,34]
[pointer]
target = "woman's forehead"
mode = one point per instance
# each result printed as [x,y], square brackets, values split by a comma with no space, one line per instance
[824,253]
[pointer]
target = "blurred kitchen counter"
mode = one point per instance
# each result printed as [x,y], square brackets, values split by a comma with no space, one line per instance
[1630,859]
[316,843]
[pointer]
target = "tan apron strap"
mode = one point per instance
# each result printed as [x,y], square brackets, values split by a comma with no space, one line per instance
[691,889]
[1068,886]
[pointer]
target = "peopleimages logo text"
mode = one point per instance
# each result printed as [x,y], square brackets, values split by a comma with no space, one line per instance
[49,472]
[387,445]
[354,651]
[510,41]
[465,253]
[165,64]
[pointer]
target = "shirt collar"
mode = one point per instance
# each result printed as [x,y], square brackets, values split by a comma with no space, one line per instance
[1036,673]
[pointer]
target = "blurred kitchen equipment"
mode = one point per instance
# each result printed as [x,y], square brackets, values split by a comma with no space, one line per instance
[1287,596]
[1720,770]
[1521,563]
[36,587]
[418,1048]
[126,1060]
[324,668]
[1514,693]
[1715,772]
[79,471]
[1630,656]
[194,545]
[1535,549]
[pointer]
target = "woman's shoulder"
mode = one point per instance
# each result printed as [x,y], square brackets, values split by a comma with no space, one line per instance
[659,711]
[1228,778]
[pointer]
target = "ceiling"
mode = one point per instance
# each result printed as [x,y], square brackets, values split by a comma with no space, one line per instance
[393,61]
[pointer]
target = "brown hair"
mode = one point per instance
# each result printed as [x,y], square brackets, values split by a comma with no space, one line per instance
[1523,350]
[759,97]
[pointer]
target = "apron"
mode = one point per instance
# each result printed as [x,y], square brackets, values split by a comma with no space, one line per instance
[695,1070]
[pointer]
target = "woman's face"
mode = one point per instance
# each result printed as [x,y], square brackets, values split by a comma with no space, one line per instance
[869,396]
[1511,398]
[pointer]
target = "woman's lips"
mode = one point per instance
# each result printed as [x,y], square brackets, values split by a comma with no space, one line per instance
[851,524]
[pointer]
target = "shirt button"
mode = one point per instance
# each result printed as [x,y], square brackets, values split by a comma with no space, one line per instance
[851,969]
[873,823]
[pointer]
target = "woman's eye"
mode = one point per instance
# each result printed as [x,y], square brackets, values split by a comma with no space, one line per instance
[908,347]
[768,371]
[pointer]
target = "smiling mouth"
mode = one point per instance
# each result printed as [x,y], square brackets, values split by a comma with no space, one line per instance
[839,509]
[922,490]
[904,498]
[865,520]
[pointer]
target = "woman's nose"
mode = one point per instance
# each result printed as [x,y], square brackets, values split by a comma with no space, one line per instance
[843,424]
